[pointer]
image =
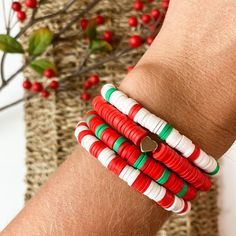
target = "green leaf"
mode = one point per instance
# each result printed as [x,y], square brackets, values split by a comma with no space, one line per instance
[41,65]
[39,41]
[9,44]
[91,30]
[100,45]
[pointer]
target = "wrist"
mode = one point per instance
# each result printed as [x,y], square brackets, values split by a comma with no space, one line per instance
[183,100]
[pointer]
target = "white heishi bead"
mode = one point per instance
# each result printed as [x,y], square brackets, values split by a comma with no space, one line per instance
[128,105]
[120,102]
[141,119]
[187,211]
[87,141]
[180,206]
[158,126]
[105,88]
[115,96]
[211,166]
[184,144]
[104,156]
[161,127]
[174,138]
[161,194]
[78,130]
[189,151]
[127,173]
[203,160]
[175,205]
[123,172]
[151,122]
[140,114]
[109,159]
[149,189]
[133,176]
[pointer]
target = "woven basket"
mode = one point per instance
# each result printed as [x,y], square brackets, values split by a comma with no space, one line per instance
[50,122]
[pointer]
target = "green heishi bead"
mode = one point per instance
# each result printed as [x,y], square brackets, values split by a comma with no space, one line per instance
[216,170]
[89,118]
[118,142]
[183,191]
[142,162]
[164,177]
[139,160]
[109,93]
[100,129]
[165,129]
[167,133]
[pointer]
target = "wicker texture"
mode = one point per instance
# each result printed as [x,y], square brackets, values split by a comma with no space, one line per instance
[50,123]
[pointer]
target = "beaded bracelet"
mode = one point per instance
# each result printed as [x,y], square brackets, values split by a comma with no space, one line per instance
[163,153]
[156,125]
[133,177]
[155,170]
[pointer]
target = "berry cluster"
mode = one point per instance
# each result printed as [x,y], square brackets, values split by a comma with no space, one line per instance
[17,7]
[92,81]
[38,87]
[100,20]
[147,19]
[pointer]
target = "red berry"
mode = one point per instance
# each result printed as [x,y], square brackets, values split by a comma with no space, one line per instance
[84,23]
[99,20]
[138,5]
[27,84]
[37,87]
[155,13]
[150,40]
[21,16]
[31,3]
[146,18]
[88,84]
[85,96]
[94,79]
[129,68]
[49,73]
[16,6]
[165,4]
[54,84]
[132,21]
[45,94]
[107,35]
[135,41]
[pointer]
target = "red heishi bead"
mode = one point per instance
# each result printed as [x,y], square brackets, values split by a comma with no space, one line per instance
[107,35]
[94,79]
[99,20]
[49,73]
[16,6]
[84,23]
[146,18]
[155,13]
[37,87]
[141,183]
[87,84]
[54,84]
[21,16]
[138,5]
[133,21]
[27,84]
[85,96]
[31,3]
[45,94]
[150,40]
[135,41]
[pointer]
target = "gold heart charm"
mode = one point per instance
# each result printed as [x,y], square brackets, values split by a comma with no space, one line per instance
[148,145]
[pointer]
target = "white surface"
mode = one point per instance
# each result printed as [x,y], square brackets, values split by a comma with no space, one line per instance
[12,161]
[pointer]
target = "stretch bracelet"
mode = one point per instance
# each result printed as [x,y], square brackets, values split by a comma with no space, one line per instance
[156,125]
[164,154]
[155,170]
[133,177]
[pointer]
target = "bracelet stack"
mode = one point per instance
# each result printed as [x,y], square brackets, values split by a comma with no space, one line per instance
[117,133]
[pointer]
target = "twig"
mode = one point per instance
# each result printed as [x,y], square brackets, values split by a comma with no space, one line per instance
[80,71]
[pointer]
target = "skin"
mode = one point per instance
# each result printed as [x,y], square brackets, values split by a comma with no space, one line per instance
[187,77]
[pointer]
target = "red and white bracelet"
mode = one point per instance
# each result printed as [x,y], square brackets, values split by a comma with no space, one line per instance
[131,176]
[156,125]
[117,134]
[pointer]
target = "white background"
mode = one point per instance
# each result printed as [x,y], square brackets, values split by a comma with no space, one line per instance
[12,159]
